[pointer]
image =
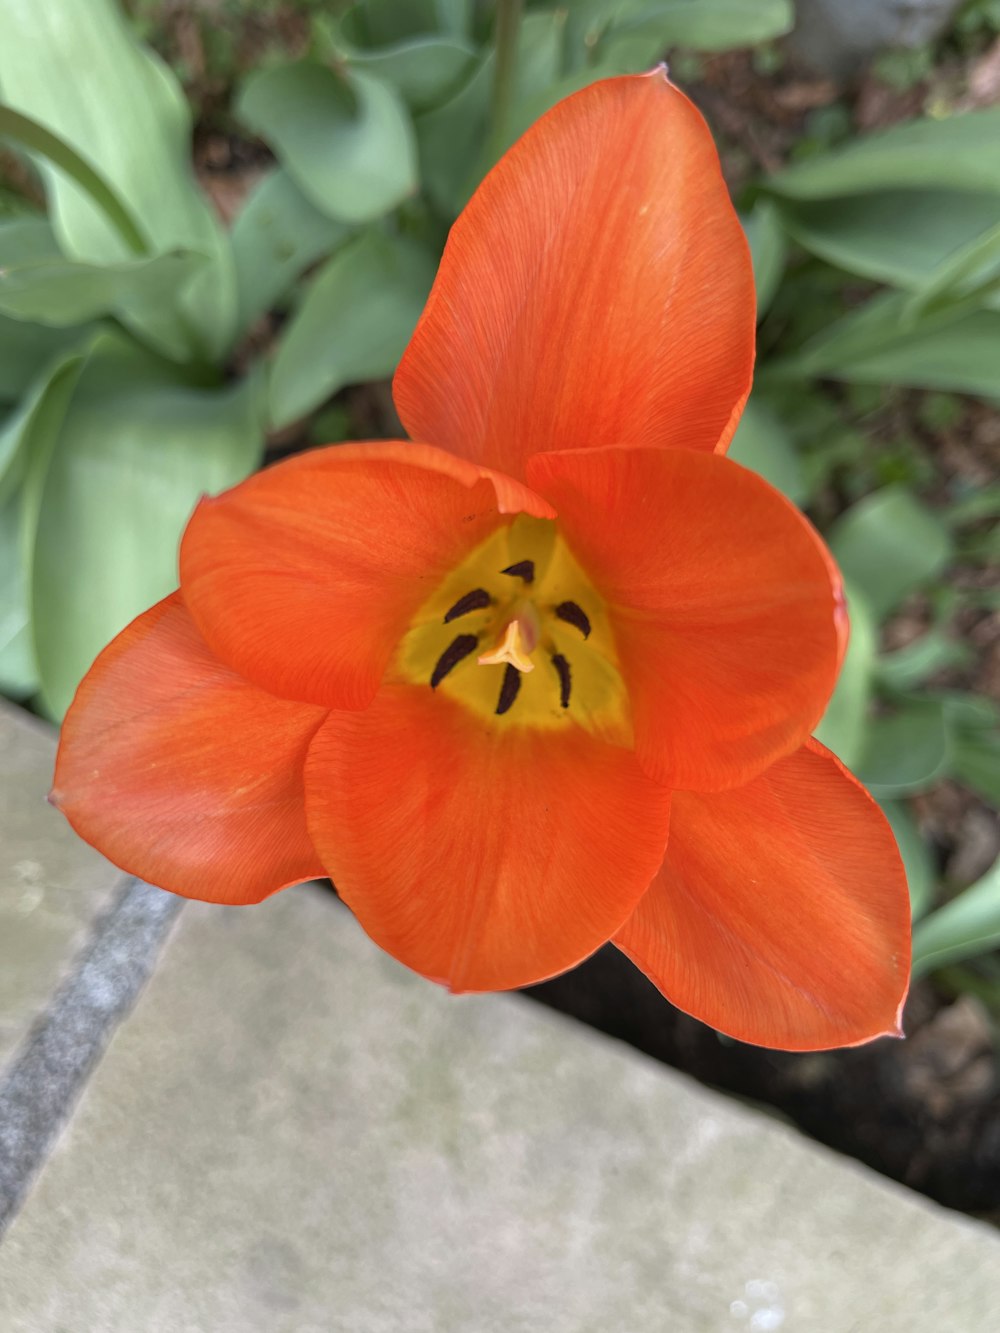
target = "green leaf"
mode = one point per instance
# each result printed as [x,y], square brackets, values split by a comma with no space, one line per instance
[18,677]
[78,71]
[344,138]
[26,349]
[844,725]
[28,134]
[763,444]
[451,138]
[968,275]
[768,247]
[353,324]
[959,152]
[60,292]
[644,30]
[910,666]
[277,234]
[454,138]
[975,762]
[26,438]
[974,729]
[917,861]
[138,446]
[948,350]
[968,925]
[904,751]
[888,544]
[40,411]
[423,66]
[385,22]
[894,236]
[423,71]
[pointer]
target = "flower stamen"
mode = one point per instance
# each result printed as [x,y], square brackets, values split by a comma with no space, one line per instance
[452,655]
[523,569]
[574,615]
[476,600]
[565,678]
[509,688]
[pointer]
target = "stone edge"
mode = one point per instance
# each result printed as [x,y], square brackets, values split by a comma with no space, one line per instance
[41,1084]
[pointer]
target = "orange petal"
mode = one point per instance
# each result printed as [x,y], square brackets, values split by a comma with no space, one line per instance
[727,609]
[596,290]
[485,857]
[304,577]
[182,773]
[781,915]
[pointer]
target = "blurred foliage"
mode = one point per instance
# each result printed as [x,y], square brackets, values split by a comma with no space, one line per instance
[149,355]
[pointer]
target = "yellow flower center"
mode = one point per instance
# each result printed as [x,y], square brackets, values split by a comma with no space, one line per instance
[518,634]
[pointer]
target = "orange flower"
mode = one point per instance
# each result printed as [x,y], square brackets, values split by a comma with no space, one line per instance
[471,678]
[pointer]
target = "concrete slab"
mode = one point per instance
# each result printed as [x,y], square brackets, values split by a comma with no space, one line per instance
[53,887]
[292,1134]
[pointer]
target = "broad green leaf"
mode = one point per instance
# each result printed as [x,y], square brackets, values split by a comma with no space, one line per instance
[26,349]
[26,438]
[887,545]
[454,138]
[959,152]
[910,666]
[970,712]
[60,292]
[33,137]
[345,138]
[423,66]
[384,22]
[39,413]
[904,751]
[968,925]
[768,247]
[450,140]
[643,31]
[277,234]
[137,448]
[920,873]
[974,729]
[423,71]
[24,238]
[966,275]
[843,728]
[353,324]
[763,444]
[893,236]
[78,71]
[873,345]
[975,761]
[18,677]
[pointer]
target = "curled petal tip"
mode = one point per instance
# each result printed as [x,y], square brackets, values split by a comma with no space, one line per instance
[53,798]
[662,69]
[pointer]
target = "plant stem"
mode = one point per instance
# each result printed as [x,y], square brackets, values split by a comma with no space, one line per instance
[508,27]
[30,134]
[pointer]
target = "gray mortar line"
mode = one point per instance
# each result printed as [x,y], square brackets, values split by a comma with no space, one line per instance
[49,1073]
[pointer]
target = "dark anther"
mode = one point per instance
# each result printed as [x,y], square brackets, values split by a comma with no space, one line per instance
[524,569]
[565,679]
[509,688]
[574,615]
[472,601]
[452,655]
